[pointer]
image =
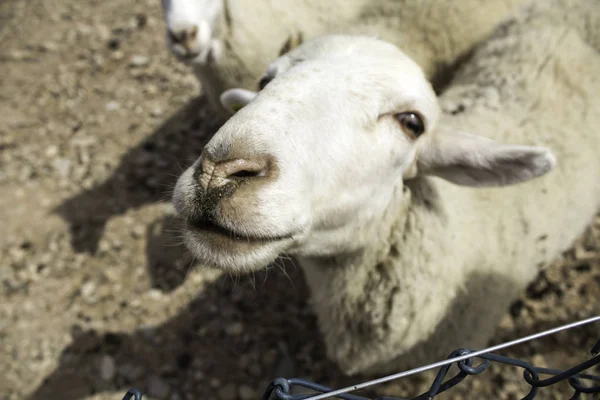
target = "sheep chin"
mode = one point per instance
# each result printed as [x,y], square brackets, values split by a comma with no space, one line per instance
[233,253]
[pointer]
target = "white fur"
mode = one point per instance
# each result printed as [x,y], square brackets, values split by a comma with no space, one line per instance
[403,261]
[246,35]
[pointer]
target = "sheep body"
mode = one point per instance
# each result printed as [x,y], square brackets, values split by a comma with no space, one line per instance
[420,268]
[426,291]
[248,35]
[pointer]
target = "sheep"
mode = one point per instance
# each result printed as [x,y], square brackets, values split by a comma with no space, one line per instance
[230,43]
[417,219]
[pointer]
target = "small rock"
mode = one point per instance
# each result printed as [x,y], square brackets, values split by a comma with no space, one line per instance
[269,357]
[103,32]
[199,376]
[98,60]
[157,387]
[107,368]
[62,166]
[255,370]
[139,60]
[84,30]
[88,289]
[155,294]
[112,106]
[117,55]
[138,231]
[51,151]
[539,361]
[104,246]
[244,361]
[247,393]
[228,392]
[19,55]
[131,372]
[151,89]
[49,46]
[235,329]
[156,111]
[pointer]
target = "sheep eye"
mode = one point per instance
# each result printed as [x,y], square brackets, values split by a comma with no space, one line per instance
[411,122]
[264,81]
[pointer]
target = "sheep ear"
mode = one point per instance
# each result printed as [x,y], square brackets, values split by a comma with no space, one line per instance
[234,99]
[471,160]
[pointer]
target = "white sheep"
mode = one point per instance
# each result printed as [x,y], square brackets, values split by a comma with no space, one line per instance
[230,43]
[349,162]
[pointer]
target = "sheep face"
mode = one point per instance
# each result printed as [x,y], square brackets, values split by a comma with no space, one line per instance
[190,29]
[313,162]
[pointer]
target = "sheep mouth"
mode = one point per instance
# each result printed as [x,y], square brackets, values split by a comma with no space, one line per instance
[206,226]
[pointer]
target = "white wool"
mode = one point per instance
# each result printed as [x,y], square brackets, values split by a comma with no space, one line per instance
[405,261]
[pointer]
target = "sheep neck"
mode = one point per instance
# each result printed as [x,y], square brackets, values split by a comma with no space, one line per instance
[387,280]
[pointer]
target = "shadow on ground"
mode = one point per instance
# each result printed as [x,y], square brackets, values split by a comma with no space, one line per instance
[237,332]
[145,175]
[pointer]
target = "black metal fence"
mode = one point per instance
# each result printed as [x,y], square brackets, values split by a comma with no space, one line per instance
[281,388]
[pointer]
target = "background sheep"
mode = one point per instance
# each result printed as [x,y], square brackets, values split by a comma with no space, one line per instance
[230,43]
[332,162]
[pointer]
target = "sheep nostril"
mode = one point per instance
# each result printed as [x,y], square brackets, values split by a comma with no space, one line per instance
[241,169]
[211,175]
[176,37]
[245,174]
[183,35]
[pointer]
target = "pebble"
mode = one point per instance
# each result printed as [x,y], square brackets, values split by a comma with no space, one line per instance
[255,370]
[138,231]
[157,387]
[235,329]
[103,32]
[51,151]
[131,372]
[49,46]
[88,289]
[156,111]
[155,294]
[62,166]
[151,89]
[107,368]
[139,60]
[539,361]
[117,55]
[228,392]
[19,55]
[247,393]
[112,106]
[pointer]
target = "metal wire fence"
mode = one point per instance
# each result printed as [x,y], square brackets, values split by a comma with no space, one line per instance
[281,388]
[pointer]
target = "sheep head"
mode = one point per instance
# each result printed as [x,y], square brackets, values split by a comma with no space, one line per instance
[190,29]
[309,165]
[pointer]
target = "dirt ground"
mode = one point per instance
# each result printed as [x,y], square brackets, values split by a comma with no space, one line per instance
[97,293]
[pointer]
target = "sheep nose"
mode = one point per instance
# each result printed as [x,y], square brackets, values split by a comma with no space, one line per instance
[216,174]
[183,35]
[187,38]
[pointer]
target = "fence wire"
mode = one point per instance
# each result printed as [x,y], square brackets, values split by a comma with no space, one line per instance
[281,388]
